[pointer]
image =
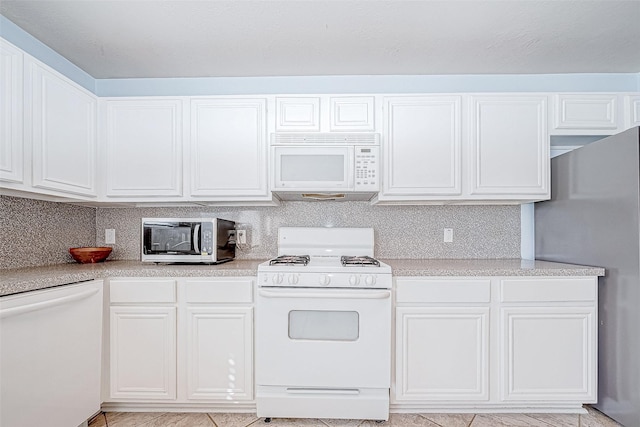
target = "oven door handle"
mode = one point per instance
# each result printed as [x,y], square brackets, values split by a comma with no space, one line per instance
[327,295]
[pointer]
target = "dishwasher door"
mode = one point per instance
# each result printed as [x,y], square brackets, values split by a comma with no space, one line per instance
[50,356]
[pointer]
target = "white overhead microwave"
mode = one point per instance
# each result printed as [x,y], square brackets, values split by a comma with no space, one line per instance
[325,166]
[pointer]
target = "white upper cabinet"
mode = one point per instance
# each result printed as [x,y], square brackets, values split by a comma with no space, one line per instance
[229,149]
[509,147]
[143,143]
[632,108]
[298,114]
[586,114]
[351,114]
[421,147]
[61,127]
[326,113]
[11,142]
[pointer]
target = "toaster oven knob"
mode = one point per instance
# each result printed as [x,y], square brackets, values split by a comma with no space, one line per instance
[370,280]
[324,280]
[354,280]
[277,278]
[293,279]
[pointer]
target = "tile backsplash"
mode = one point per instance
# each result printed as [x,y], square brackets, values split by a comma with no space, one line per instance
[400,231]
[34,232]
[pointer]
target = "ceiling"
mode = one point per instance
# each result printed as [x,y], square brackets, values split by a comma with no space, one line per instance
[183,38]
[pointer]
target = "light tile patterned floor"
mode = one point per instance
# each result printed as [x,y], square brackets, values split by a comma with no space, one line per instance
[172,419]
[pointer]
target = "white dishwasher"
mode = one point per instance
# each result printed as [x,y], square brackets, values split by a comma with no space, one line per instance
[50,353]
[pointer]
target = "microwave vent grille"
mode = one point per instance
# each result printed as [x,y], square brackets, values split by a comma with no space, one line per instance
[326,138]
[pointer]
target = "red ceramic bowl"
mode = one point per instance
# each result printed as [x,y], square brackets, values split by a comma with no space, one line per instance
[90,255]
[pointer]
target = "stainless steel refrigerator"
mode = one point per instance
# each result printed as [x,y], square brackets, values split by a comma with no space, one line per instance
[593,218]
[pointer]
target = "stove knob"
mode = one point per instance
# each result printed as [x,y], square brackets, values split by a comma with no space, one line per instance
[293,279]
[324,280]
[354,280]
[370,280]
[277,278]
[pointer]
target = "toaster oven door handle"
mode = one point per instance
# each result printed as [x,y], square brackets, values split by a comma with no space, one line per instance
[196,238]
[384,294]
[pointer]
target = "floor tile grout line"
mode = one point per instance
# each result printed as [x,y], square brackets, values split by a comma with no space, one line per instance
[472,418]
[212,420]
[431,421]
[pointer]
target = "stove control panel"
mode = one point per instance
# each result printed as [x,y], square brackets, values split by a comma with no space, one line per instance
[324,280]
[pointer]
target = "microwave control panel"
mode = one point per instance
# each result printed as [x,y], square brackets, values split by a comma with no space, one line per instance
[206,246]
[367,170]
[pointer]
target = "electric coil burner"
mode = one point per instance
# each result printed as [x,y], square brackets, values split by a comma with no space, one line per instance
[321,312]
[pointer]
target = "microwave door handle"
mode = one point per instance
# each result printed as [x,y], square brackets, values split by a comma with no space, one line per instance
[196,238]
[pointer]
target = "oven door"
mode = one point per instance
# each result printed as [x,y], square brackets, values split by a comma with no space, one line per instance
[323,338]
[313,168]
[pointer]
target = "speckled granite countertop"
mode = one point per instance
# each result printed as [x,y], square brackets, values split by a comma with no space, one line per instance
[487,267]
[18,280]
[33,278]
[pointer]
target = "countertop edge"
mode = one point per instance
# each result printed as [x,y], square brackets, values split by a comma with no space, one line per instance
[15,281]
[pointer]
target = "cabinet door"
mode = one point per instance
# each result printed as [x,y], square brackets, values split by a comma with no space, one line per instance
[422,146]
[351,113]
[509,146]
[144,147]
[442,354]
[586,114]
[11,110]
[549,353]
[219,353]
[143,352]
[633,111]
[298,114]
[62,128]
[229,148]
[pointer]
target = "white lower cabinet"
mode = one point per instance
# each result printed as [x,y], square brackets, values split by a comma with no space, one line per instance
[442,353]
[548,335]
[510,343]
[142,339]
[219,339]
[180,342]
[143,352]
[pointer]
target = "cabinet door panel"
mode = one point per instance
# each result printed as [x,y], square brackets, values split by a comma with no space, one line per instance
[11,110]
[351,113]
[143,352]
[144,147]
[586,113]
[442,354]
[298,114]
[549,354]
[422,146]
[228,148]
[509,146]
[219,353]
[633,111]
[63,132]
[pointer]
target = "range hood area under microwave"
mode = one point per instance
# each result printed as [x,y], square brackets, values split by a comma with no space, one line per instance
[325,166]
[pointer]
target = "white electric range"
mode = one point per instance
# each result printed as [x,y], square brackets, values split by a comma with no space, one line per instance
[323,327]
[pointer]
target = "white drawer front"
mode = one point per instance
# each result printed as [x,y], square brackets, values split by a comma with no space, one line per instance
[559,289]
[143,291]
[228,290]
[443,290]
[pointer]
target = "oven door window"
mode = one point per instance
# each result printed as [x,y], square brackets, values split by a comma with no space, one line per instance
[324,325]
